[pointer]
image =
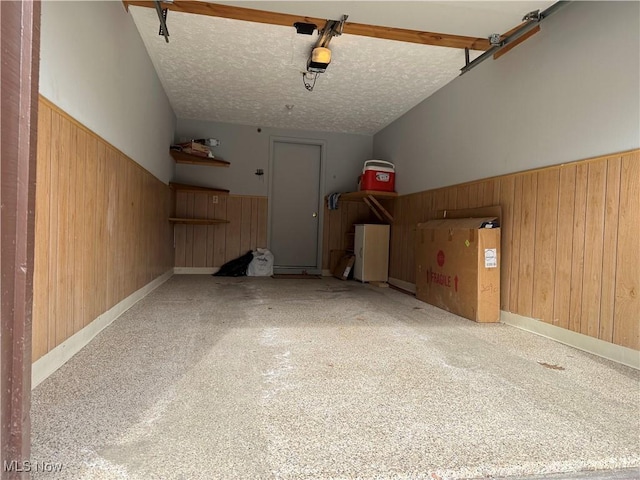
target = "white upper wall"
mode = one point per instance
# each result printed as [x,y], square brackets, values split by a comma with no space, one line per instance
[95,67]
[570,92]
[248,150]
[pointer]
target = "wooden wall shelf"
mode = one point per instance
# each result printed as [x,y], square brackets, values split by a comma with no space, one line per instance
[350,196]
[187,158]
[370,197]
[181,157]
[181,187]
[198,221]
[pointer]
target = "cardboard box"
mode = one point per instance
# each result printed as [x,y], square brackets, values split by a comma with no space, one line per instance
[344,267]
[458,267]
[195,148]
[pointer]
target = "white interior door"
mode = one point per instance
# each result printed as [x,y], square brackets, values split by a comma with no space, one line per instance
[295,202]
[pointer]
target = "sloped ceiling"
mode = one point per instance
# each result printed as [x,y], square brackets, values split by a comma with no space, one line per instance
[242,72]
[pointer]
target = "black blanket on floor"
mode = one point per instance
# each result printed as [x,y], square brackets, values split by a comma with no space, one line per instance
[236,267]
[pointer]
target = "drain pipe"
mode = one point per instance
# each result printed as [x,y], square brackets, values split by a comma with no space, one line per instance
[533,21]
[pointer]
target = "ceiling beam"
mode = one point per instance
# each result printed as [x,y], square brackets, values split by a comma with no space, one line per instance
[287,20]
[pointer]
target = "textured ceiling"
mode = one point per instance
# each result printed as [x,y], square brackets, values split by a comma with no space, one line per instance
[241,72]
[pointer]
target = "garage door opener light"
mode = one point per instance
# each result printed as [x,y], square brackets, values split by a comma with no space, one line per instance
[320,57]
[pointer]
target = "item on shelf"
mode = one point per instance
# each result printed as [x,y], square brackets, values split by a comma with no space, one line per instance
[197,149]
[209,142]
[378,175]
[332,201]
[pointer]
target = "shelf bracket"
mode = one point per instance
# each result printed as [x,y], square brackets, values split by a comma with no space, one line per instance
[373,208]
[378,208]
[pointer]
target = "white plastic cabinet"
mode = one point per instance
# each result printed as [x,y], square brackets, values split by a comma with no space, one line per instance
[371,247]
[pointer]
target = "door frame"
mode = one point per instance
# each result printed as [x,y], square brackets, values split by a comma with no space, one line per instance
[273,139]
[21,47]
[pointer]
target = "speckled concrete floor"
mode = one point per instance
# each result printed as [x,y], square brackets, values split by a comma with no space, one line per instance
[255,378]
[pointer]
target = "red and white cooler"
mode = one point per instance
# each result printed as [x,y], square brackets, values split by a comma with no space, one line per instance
[378,175]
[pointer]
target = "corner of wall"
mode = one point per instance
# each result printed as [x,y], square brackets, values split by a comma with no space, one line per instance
[56,358]
[95,67]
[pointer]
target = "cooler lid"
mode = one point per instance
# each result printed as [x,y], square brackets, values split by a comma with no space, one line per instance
[379,165]
[378,169]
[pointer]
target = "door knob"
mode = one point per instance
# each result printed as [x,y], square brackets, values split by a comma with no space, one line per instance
[315,214]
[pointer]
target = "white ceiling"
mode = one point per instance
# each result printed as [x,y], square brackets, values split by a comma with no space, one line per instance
[241,72]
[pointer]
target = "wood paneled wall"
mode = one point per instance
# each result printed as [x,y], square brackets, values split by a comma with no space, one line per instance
[101,228]
[570,242]
[338,224]
[213,245]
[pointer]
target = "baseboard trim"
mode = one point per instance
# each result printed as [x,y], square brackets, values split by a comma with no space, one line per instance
[409,287]
[53,360]
[195,270]
[610,351]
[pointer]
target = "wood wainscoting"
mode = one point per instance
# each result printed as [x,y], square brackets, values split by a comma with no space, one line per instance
[101,228]
[338,225]
[570,242]
[214,245]
[210,246]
